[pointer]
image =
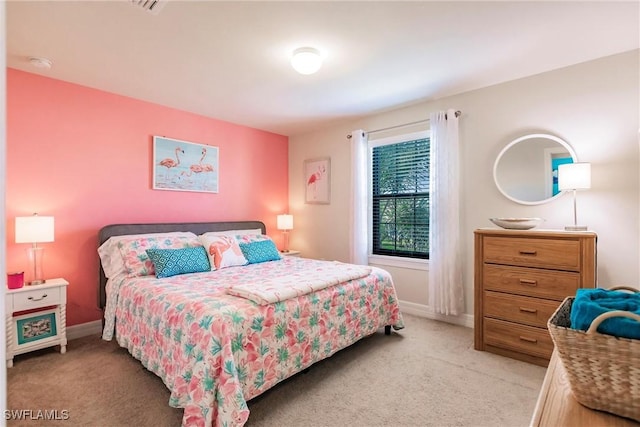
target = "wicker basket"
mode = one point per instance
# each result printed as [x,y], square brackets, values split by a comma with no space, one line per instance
[603,370]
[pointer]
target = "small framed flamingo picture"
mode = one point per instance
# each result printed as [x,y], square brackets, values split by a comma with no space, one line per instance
[317,181]
[184,166]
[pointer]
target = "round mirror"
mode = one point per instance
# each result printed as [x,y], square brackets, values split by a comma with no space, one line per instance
[526,170]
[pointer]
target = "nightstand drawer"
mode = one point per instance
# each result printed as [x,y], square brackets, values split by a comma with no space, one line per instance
[36,298]
[532,282]
[519,309]
[530,252]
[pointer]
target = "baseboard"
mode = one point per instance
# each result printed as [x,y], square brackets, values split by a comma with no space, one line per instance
[426,311]
[84,329]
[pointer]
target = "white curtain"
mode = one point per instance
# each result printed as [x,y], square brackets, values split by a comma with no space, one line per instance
[358,240]
[446,293]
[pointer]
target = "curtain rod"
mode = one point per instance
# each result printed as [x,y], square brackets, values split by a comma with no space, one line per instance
[458,113]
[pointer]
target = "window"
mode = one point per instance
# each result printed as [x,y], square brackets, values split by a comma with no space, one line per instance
[400,196]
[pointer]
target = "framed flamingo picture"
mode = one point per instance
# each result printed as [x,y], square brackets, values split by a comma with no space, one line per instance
[184,166]
[317,181]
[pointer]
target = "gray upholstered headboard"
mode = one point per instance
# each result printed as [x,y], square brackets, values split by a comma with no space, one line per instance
[194,227]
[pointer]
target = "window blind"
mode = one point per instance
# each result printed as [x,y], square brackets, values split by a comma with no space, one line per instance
[400,199]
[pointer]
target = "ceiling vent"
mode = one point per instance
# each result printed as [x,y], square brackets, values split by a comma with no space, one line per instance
[152,6]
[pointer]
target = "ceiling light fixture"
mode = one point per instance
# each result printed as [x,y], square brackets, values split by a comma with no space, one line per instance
[152,6]
[306,60]
[40,62]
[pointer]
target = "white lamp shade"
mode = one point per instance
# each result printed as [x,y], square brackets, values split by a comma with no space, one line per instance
[574,176]
[306,60]
[285,222]
[34,229]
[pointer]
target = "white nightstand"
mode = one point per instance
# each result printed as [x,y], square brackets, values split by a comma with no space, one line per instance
[290,253]
[40,329]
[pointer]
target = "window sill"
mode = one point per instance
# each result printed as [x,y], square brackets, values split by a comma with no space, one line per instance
[391,261]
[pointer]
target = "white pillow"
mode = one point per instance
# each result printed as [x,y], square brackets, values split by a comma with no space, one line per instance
[111,257]
[250,232]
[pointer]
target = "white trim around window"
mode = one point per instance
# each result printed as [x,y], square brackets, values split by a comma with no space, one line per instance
[398,138]
[394,261]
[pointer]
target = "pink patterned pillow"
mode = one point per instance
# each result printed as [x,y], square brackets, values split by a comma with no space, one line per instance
[110,255]
[223,251]
[134,251]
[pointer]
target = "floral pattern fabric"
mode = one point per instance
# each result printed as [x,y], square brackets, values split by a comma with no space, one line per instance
[215,351]
[134,251]
[268,290]
[111,258]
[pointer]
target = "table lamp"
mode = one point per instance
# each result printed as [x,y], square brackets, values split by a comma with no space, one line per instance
[574,176]
[35,229]
[285,223]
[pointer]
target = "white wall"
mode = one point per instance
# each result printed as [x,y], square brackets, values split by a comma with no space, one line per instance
[593,106]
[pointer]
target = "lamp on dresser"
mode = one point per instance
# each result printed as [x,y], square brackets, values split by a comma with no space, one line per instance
[35,229]
[285,223]
[572,177]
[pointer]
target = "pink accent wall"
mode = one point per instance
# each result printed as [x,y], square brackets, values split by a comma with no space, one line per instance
[84,156]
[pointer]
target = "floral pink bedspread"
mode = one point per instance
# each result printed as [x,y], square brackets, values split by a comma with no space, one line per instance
[216,351]
[267,290]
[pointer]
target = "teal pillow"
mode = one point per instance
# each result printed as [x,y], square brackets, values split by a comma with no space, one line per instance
[260,251]
[171,262]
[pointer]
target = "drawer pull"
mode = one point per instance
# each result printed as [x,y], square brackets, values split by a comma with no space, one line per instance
[527,339]
[528,310]
[528,253]
[37,299]
[528,282]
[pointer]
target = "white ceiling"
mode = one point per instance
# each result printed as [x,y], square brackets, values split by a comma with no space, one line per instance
[230,60]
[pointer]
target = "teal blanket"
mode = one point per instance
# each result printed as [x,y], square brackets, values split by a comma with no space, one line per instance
[590,303]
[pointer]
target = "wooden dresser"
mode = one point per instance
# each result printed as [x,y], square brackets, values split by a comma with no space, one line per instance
[521,277]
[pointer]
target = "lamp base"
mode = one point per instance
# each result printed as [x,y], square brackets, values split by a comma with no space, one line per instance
[36,255]
[575,228]
[285,238]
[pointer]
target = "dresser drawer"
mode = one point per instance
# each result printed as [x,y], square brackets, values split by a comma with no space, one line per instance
[36,298]
[521,338]
[533,252]
[519,309]
[532,282]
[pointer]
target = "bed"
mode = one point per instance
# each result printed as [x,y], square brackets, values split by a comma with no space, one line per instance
[220,338]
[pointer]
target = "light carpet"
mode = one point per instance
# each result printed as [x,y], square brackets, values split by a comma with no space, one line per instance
[427,374]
